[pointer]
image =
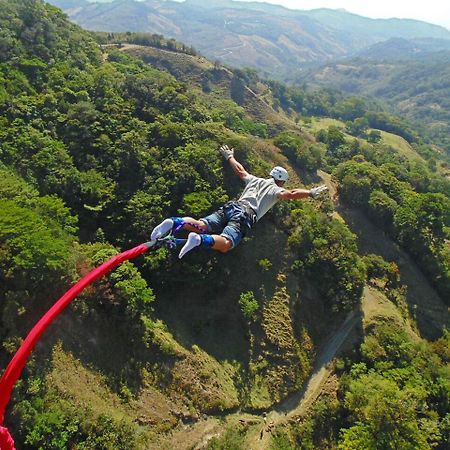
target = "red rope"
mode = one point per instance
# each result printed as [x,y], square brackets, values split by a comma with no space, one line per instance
[17,363]
[6,441]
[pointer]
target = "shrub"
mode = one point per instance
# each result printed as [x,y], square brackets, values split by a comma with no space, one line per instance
[249,305]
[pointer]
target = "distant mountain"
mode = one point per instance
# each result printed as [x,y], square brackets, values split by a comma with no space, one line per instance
[270,38]
[399,48]
[377,29]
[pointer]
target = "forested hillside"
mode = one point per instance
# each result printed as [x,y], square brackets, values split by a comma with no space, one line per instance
[403,63]
[411,77]
[100,141]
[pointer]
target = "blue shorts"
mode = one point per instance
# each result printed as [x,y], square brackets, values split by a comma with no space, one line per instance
[232,221]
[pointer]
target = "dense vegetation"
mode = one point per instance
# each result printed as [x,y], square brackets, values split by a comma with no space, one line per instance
[393,393]
[95,149]
[410,86]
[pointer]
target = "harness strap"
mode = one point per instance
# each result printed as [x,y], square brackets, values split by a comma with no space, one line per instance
[178,224]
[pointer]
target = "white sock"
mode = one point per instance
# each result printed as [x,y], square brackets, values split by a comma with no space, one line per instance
[162,229]
[193,240]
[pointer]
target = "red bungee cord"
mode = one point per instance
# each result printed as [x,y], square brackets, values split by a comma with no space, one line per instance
[17,363]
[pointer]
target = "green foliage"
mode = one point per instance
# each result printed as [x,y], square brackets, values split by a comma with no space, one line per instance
[337,146]
[147,39]
[386,122]
[392,397]
[307,156]
[409,83]
[53,423]
[35,250]
[105,433]
[232,440]
[378,268]
[280,441]
[327,255]
[382,207]
[358,127]
[196,204]
[419,221]
[311,157]
[233,116]
[40,33]
[374,136]
[249,305]
[126,288]
[320,428]
[357,437]
[52,430]
[289,143]
[265,264]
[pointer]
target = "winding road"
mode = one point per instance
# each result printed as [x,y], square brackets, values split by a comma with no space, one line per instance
[196,436]
[300,402]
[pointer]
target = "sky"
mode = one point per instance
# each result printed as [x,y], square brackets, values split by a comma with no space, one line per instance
[432,11]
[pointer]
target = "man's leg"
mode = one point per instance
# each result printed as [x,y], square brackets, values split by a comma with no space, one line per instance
[214,242]
[231,235]
[182,223]
[200,232]
[221,243]
[197,226]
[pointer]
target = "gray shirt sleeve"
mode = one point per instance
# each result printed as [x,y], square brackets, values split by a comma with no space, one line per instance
[249,177]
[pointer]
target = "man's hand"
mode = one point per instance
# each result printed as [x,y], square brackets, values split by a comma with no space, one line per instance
[315,192]
[226,152]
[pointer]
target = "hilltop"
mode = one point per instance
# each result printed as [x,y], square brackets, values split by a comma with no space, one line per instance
[401,63]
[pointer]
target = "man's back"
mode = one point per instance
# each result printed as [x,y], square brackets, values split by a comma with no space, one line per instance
[260,194]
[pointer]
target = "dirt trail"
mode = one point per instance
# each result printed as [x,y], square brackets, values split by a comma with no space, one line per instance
[196,436]
[299,402]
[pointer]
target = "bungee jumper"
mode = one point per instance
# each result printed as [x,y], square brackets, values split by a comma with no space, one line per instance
[225,228]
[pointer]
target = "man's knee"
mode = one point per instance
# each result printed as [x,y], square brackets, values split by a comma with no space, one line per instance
[224,245]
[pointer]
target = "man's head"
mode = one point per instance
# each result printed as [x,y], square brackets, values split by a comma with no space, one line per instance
[280,175]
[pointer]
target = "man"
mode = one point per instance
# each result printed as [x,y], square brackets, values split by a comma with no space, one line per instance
[224,229]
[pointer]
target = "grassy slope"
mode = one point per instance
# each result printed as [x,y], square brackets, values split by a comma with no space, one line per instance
[401,146]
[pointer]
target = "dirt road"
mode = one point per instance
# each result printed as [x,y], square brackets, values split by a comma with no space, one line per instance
[299,402]
[196,436]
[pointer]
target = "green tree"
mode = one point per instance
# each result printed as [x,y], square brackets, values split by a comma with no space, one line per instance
[387,415]
[249,305]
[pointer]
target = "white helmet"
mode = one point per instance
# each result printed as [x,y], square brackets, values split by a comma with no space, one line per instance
[279,173]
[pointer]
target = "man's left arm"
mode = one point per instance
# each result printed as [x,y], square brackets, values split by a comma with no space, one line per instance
[297,194]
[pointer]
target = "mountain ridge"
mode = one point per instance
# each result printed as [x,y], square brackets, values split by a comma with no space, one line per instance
[268,37]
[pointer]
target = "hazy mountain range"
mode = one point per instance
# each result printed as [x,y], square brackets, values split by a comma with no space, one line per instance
[270,38]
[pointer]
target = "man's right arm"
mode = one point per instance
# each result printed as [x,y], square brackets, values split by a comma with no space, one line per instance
[238,168]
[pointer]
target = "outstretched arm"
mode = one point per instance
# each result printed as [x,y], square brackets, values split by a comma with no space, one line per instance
[293,194]
[296,194]
[238,168]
